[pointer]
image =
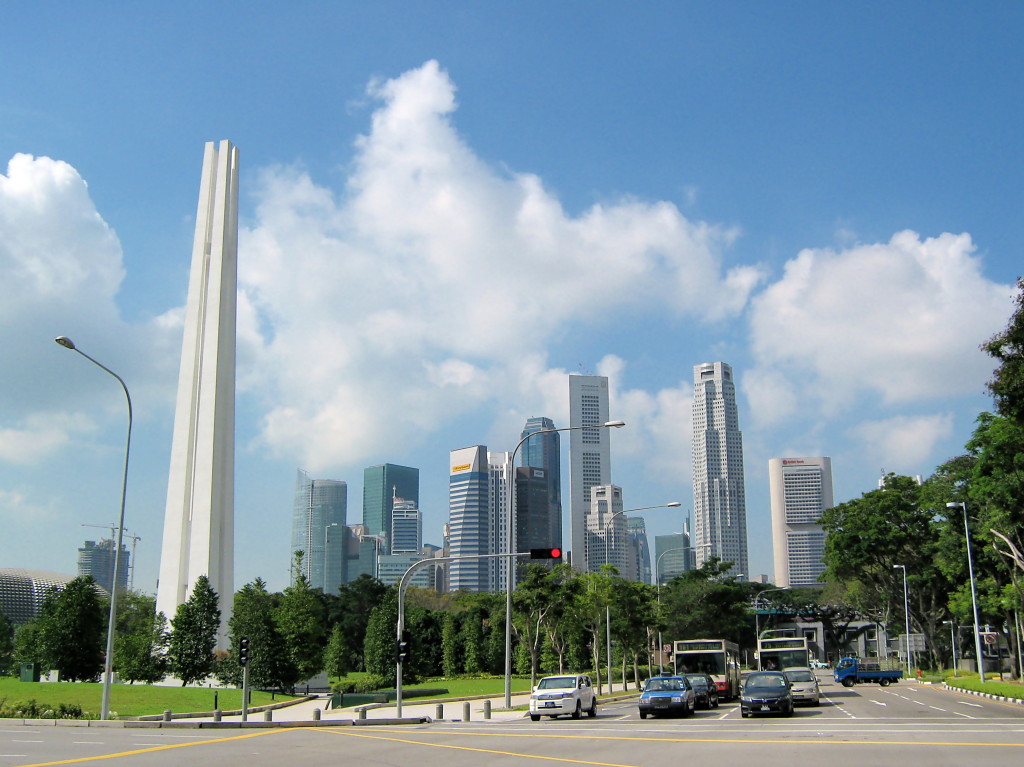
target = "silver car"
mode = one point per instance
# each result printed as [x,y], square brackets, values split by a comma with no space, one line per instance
[804,685]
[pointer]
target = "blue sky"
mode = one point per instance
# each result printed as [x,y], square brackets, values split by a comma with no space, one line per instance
[448,207]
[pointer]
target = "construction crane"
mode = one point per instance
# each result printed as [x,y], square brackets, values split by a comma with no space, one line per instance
[113,536]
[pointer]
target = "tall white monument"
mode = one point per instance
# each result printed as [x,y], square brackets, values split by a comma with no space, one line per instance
[199,521]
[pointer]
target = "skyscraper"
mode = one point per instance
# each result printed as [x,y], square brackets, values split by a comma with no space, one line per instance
[381,485]
[406,527]
[470,530]
[639,550]
[540,489]
[801,490]
[500,484]
[319,517]
[589,457]
[199,530]
[719,505]
[97,560]
[672,556]
[606,537]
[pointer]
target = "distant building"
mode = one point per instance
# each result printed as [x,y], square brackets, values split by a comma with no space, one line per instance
[500,479]
[800,491]
[589,460]
[97,560]
[22,592]
[406,527]
[606,532]
[381,485]
[470,527]
[318,525]
[639,550]
[719,499]
[543,452]
[673,555]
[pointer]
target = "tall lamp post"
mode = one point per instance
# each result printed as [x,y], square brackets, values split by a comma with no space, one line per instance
[952,641]
[510,566]
[906,612]
[757,615]
[108,664]
[607,608]
[657,576]
[974,591]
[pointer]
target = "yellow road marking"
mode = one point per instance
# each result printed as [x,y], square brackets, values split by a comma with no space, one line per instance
[468,748]
[169,746]
[769,741]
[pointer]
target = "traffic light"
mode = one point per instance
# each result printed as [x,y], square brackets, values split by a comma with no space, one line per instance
[552,553]
[403,647]
[243,651]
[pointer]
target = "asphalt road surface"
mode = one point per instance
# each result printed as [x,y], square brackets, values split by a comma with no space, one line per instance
[905,725]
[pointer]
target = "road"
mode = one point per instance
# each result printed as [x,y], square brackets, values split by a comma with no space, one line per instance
[905,724]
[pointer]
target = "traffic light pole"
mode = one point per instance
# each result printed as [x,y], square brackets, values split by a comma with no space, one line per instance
[402,585]
[245,692]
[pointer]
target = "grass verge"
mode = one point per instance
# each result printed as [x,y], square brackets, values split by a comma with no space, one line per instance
[1002,689]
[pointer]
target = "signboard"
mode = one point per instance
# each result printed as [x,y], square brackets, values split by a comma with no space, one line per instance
[684,645]
[782,644]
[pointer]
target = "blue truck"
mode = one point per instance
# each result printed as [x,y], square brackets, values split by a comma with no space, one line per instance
[885,671]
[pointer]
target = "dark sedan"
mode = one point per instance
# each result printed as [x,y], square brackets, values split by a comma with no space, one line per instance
[705,690]
[766,692]
[671,695]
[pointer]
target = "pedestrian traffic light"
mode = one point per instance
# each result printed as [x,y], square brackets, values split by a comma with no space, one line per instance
[403,647]
[552,553]
[243,651]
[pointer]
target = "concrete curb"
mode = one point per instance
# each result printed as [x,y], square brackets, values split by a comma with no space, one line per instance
[988,695]
[192,725]
[232,712]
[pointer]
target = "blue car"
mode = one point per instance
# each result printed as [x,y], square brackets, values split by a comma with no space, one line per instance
[671,695]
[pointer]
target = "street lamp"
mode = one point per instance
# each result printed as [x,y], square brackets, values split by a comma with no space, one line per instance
[607,608]
[952,641]
[757,615]
[906,611]
[657,576]
[108,664]
[509,567]
[974,590]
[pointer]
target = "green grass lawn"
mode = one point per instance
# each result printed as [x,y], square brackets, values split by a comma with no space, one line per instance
[128,699]
[461,688]
[1004,689]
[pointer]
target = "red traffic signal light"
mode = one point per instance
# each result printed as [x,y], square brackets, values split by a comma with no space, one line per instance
[552,553]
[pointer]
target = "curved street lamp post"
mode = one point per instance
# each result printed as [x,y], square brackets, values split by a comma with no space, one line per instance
[510,567]
[974,591]
[108,663]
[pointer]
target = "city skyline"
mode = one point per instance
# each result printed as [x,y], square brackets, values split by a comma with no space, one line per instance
[442,219]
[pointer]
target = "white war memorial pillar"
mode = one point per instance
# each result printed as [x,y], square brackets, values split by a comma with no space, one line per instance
[199,520]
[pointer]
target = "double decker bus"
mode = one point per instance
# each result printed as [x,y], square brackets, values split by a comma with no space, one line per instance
[719,658]
[777,653]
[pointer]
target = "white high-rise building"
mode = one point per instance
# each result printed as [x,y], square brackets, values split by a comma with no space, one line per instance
[406,527]
[801,490]
[470,525]
[589,457]
[199,533]
[607,542]
[500,477]
[719,505]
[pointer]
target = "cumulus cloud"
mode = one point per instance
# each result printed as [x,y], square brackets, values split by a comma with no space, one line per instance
[900,320]
[426,287]
[903,440]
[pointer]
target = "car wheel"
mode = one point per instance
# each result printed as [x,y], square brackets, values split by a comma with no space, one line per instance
[744,714]
[883,682]
[592,711]
[817,701]
[577,711]
[535,717]
[848,682]
[643,714]
[714,704]
[789,711]
[688,711]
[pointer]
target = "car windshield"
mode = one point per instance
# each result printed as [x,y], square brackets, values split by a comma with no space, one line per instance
[660,685]
[698,681]
[765,681]
[800,676]
[557,683]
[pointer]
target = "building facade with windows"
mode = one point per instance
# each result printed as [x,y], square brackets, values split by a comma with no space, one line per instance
[381,485]
[319,516]
[470,527]
[719,497]
[800,491]
[673,555]
[97,560]
[589,459]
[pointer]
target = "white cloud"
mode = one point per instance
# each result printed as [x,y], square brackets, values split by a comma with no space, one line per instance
[901,320]
[903,440]
[431,284]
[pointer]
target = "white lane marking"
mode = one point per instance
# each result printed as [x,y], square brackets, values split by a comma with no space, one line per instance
[879,703]
[965,716]
[88,742]
[15,740]
[939,709]
[974,705]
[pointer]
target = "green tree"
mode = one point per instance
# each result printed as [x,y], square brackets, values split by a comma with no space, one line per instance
[26,644]
[336,655]
[140,642]
[532,600]
[379,645]
[705,603]
[350,609]
[589,607]
[252,616]
[194,634]
[300,619]
[634,614]
[450,647]
[6,644]
[71,630]
[560,627]
[1007,384]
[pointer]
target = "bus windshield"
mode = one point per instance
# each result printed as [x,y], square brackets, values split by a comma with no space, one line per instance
[701,663]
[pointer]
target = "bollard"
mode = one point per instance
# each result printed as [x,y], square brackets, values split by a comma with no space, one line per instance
[362,713]
[465,711]
[316,715]
[268,715]
[487,709]
[439,712]
[216,715]
[167,715]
